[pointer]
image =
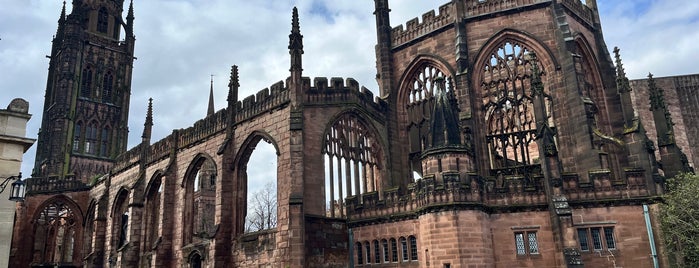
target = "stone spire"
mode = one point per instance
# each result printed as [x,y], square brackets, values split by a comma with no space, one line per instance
[210,111]
[444,122]
[129,22]
[295,43]
[148,125]
[61,23]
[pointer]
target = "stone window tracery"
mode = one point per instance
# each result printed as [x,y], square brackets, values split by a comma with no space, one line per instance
[76,137]
[420,87]
[107,87]
[352,160]
[423,84]
[55,234]
[102,20]
[509,111]
[86,84]
[91,141]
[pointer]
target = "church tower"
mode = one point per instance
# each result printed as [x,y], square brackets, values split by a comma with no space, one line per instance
[86,106]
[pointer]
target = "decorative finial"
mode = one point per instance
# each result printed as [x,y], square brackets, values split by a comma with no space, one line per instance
[233,85]
[622,81]
[295,42]
[211,97]
[148,125]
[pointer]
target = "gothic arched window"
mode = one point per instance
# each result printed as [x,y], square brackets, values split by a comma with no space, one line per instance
[509,111]
[104,142]
[352,158]
[200,200]
[107,86]
[86,85]
[55,234]
[91,138]
[76,137]
[152,215]
[420,87]
[102,20]
[120,219]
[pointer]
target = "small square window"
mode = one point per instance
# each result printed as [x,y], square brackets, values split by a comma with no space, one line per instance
[599,238]
[526,243]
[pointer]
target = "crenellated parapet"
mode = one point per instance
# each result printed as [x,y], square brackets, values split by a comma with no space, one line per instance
[264,101]
[162,148]
[202,129]
[494,194]
[340,91]
[475,8]
[604,186]
[128,159]
[54,184]
[415,29]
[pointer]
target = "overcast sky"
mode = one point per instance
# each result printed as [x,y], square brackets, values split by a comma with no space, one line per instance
[180,43]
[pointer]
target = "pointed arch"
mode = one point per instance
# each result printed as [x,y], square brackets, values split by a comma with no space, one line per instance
[199,199]
[153,209]
[590,80]
[417,79]
[415,102]
[351,139]
[240,165]
[89,226]
[57,226]
[91,137]
[107,86]
[120,218]
[502,89]
[77,135]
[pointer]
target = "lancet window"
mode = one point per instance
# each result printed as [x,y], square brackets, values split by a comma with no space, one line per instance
[102,20]
[86,84]
[509,109]
[200,199]
[107,87]
[120,219]
[152,215]
[351,155]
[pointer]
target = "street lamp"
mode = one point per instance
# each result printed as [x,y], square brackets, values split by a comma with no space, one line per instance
[18,187]
[18,190]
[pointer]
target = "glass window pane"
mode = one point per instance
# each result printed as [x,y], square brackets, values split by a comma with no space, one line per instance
[596,239]
[533,243]
[582,239]
[413,248]
[609,237]
[519,243]
[377,252]
[368,252]
[360,260]
[394,250]
[404,248]
[385,250]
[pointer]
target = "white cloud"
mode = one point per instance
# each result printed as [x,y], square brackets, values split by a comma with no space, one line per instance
[181,42]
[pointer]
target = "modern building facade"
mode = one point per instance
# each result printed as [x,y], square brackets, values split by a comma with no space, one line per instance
[503,135]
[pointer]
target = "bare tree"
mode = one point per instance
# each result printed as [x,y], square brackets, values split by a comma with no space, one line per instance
[262,209]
